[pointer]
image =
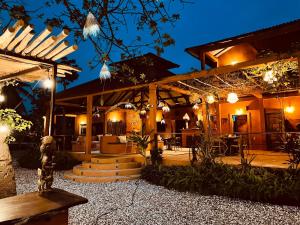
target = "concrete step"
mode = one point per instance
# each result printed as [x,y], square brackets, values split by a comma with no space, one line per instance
[111,166]
[81,171]
[92,179]
[110,160]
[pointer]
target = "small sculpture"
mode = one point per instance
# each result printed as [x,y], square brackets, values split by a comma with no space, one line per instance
[47,157]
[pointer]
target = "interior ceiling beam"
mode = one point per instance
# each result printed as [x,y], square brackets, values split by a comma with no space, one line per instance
[176,89]
[69,104]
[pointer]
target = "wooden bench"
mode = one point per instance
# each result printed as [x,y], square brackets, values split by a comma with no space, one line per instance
[48,208]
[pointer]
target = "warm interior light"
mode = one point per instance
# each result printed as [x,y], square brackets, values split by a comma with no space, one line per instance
[240,111]
[233,62]
[4,129]
[186,117]
[143,112]
[196,106]
[128,106]
[160,105]
[289,109]
[48,84]
[166,108]
[269,77]
[232,98]
[2,98]
[210,99]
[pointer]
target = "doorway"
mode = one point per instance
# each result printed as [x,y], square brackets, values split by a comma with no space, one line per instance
[240,124]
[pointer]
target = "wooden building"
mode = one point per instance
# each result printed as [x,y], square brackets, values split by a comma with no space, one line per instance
[260,69]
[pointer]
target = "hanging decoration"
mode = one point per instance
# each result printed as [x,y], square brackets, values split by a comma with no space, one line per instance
[166,108]
[128,105]
[163,121]
[232,98]
[104,73]
[160,104]
[196,106]
[210,99]
[91,26]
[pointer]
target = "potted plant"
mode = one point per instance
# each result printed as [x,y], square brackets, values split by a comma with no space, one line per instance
[10,122]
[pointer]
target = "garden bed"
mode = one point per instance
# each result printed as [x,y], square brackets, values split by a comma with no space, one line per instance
[276,186]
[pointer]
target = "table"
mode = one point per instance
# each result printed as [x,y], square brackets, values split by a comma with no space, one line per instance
[229,141]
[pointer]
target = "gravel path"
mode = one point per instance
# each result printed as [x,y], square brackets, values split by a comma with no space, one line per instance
[137,202]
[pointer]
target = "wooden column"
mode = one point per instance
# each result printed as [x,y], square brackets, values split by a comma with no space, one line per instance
[153,110]
[203,61]
[89,118]
[52,101]
[262,140]
[218,114]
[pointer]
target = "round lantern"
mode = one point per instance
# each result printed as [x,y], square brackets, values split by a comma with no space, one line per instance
[210,99]
[232,98]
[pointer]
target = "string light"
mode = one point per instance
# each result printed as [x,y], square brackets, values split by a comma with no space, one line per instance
[91,26]
[269,77]
[143,112]
[163,121]
[2,98]
[104,72]
[232,98]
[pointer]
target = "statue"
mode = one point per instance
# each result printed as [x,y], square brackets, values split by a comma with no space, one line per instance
[47,157]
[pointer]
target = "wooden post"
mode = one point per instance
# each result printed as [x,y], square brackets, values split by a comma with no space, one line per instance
[262,122]
[218,114]
[202,59]
[89,118]
[152,113]
[52,101]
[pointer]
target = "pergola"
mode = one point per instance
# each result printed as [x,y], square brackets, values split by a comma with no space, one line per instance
[28,57]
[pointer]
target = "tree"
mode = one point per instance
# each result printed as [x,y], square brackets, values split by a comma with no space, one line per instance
[115,18]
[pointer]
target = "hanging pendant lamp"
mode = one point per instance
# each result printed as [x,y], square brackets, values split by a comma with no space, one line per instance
[232,98]
[91,26]
[104,73]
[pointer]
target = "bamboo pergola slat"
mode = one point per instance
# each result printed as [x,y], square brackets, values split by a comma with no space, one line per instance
[38,40]
[29,58]
[59,38]
[57,50]
[18,39]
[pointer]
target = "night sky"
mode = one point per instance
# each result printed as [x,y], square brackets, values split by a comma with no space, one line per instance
[201,22]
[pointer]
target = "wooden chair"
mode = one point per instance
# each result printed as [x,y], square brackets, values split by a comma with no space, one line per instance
[240,145]
[218,146]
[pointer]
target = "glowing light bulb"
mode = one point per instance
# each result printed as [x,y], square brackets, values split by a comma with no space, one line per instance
[166,108]
[232,98]
[289,109]
[210,99]
[48,84]
[196,106]
[4,129]
[2,98]
[128,106]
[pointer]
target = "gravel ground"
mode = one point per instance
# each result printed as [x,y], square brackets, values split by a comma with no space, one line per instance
[137,202]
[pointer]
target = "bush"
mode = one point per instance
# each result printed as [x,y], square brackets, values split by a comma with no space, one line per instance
[31,160]
[275,186]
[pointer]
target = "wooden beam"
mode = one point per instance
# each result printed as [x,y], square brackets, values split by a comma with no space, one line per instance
[20,73]
[49,41]
[19,38]
[176,89]
[24,42]
[18,25]
[59,38]
[57,50]
[139,86]
[229,68]
[89,118]
[38,40]
[69,104]
[65,52]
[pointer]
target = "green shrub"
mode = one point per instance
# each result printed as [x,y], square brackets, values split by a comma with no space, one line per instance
[275,186]
[31,160]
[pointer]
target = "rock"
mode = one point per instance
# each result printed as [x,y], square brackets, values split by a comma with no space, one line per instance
[7,174]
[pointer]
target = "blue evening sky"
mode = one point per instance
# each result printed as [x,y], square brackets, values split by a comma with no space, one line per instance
[201,22]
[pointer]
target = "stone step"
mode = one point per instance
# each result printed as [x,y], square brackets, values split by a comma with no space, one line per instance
[110,160]
[92,179]
[111,166]
[81,171]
